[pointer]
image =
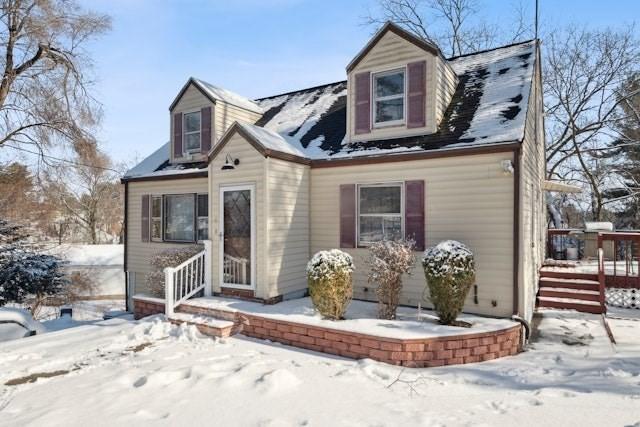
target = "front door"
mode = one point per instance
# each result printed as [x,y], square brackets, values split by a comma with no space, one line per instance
[237,237]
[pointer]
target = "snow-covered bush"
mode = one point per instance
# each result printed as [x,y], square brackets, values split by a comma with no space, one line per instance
[389,260]
[450,272]
[167,258]
[27,276]
[329,274]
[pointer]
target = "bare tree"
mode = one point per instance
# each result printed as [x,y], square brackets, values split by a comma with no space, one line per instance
[583,71]
[453,25]
[44,92]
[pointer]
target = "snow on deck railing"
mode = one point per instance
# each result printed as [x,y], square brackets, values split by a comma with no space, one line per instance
[187,279]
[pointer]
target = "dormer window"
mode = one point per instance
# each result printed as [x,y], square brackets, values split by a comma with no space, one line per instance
[389,97]
[191,135]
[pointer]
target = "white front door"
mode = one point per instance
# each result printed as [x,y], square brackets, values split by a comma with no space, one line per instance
[237,237]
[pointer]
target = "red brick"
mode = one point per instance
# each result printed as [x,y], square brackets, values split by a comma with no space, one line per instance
[283,328]
[453,345]
[299,330]
[306,339]
[349,354]
[349,339]
[488,356]
[275,334]
[471,342]
[262,331]
[434,363]
[359,349]
[503,353]
[471,359]
[340,345]
[507,344]
[401,355]
[462,352]
[455,361]
[423,355]
[369,343]
[322,342]
[414,347]
[501,338]
[291,336]
[391,346]
[494,348]
[435,346]
[487,340]
[255,322]
[331,336]
[477,351]
[318,333]
[513,351]
[444,354]
[268,324]
[379,354]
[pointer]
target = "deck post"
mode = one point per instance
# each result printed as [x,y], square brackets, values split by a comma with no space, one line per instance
[601,273]
[208,253]
[168,291]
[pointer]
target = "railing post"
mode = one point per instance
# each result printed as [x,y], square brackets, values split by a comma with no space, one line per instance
[601,273]
[208,253]
[168,291]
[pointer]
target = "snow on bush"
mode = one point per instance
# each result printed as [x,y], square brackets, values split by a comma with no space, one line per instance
[449,268]
[330,280]
[389,260]
[167,258]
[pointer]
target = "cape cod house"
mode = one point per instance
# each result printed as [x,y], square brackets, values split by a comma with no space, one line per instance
[410,144]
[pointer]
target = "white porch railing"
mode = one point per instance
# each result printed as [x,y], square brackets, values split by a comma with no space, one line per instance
[235,270]
[187,279]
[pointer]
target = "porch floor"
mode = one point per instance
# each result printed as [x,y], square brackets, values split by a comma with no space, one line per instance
[591,267]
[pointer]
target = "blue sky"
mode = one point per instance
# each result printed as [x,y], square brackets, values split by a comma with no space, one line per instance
[253,47]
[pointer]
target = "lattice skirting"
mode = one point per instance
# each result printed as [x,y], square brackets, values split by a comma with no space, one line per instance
[621,297]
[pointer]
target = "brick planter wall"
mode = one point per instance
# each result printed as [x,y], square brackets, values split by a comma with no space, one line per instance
[143,307]
[427,352]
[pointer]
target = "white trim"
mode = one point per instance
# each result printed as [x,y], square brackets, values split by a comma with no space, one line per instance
[400,184]
[382,73]
[186,152]
[222,190]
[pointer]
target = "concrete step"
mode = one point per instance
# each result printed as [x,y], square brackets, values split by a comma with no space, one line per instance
[584,284]
[578,294]
[570,304]
[207,325]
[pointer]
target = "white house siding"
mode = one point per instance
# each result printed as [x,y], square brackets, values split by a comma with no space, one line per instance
[446,86]
[468,198]
[226,114]
[139,253]
[532,203]
[287,225]
[251,170]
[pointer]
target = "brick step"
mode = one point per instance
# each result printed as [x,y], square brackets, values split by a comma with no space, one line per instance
[552,282]
[570,304]
[558,274]
[230,316]
[207,325]
[578,294]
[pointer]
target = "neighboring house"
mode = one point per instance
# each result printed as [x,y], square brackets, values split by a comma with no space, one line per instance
[100,266]
[411,145]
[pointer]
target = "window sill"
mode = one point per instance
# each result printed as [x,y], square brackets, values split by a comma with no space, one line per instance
[385,125]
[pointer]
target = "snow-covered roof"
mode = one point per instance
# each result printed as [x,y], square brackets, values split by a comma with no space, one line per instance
[87,255]
[150,163]
[227,96]
[270,139]
[488,107]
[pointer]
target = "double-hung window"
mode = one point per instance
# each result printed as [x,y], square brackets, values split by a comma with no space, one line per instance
[156,218]
[179,218]
[191,135]
[389,97]
[203,216]
[380,212]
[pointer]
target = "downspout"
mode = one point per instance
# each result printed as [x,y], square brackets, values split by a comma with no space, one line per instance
[516,228]
[124,225]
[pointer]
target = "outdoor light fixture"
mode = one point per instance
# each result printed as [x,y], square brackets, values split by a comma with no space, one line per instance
[230,163]
[507,167]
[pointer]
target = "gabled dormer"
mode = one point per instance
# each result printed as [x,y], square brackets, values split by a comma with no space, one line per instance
[200,115]
[398,85]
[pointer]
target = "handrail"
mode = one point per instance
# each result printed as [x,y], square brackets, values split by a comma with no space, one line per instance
[187,279]
[601,275]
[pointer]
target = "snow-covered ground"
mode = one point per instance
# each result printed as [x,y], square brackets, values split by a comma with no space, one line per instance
[149,372]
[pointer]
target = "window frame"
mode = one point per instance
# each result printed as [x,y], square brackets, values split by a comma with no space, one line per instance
[186,151]
[399,184]
[375,98]
[164,221]
[198,216]
[155,218]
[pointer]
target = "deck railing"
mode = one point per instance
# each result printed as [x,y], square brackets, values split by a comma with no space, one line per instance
[559,240]
[187,279]
[621,270]
[235,269]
